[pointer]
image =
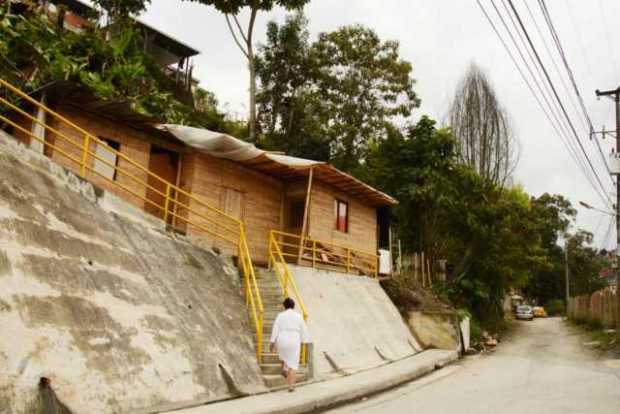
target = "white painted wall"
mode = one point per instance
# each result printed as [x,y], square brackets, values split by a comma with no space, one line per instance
[350,316]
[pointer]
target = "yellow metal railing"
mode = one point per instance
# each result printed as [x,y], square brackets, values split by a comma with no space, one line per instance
[332,255]
[174,205]
[287,281]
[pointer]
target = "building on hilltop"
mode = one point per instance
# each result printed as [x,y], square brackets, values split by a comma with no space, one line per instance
[171,55]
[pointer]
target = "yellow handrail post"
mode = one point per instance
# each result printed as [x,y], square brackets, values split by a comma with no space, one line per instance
[84,159]
[167,203]
[313,252]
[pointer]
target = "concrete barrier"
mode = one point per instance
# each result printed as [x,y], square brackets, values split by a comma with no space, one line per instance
[114,312]
[352,322]
[435,329]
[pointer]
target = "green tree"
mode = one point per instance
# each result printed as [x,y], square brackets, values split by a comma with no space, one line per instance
[244,38]
[122,9]
[365,84]
[449,211]
[38,52]
[340,93]
[291,113]
[584,264]
[554,215]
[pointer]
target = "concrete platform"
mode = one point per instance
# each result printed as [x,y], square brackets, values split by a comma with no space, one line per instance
[326,394]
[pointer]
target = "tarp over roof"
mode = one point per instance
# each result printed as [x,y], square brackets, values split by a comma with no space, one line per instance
[281,166]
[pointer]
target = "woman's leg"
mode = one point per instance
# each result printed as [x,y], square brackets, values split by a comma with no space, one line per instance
[290,379]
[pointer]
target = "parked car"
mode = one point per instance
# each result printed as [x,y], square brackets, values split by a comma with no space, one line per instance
[539,312]
[524,312]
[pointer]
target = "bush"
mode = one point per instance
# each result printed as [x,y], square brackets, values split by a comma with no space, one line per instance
[475,331]
[555,307]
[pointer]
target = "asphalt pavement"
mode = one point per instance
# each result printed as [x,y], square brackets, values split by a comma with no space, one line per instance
[542,367]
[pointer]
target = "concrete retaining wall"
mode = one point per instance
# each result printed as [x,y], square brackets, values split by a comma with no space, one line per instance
[353,324]
[435,330]
[97,297]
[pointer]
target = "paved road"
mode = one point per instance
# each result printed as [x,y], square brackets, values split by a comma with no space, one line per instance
[541,368]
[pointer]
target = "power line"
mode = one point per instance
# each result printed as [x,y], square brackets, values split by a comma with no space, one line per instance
[571,76]
[555,65]
[573,152]
[547,92]
[558,128]
[557,97]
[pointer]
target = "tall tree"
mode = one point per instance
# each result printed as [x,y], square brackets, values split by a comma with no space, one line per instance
[482,127]
[365,85]
[244,38]
[339,94]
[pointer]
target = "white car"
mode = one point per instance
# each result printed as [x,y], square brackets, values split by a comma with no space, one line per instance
[524,312]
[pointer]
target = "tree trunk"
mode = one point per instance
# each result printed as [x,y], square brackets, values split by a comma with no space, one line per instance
[250,50]
[252,120]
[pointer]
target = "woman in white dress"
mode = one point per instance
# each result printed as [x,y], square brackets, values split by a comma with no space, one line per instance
[288,333]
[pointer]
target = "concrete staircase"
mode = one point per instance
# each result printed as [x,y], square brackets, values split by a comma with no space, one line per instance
[271,294]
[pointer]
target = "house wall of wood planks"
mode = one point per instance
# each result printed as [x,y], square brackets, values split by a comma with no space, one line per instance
[133,143]
[261,201]
[253,197]
[362,232]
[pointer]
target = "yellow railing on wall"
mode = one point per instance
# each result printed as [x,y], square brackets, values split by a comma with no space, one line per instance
[318,253]
[286,279]
[176,206]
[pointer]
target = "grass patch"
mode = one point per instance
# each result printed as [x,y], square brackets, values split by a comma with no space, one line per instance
[606,339]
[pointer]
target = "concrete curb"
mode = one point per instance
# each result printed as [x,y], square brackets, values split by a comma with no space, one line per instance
[328,394]
[366,390]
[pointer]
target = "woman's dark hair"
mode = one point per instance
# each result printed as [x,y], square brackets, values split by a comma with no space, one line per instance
[289,303]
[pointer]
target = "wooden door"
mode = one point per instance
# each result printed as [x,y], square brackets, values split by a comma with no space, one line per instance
[165,164]
[232,203]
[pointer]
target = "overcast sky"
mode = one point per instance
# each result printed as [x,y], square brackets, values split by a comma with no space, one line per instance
[441,38]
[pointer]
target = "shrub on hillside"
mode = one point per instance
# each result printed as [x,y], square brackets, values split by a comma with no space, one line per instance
[555,307]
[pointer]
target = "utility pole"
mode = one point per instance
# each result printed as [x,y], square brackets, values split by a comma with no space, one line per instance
[566,275]
[615,95]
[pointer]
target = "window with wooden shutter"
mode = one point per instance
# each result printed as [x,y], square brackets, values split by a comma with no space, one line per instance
[342,215]
[107,151]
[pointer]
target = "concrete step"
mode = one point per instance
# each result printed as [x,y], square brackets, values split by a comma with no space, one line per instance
[270,358]
[276,369]
[273,381]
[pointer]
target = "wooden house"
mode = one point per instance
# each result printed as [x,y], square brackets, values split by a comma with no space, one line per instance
[318,214]
[336,213]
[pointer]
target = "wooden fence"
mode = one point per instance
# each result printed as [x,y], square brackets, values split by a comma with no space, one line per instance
[423,269]
[599,307]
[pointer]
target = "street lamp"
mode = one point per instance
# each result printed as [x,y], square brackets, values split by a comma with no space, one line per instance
[589,207]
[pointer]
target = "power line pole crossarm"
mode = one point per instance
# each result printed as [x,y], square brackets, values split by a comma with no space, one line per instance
[615,95]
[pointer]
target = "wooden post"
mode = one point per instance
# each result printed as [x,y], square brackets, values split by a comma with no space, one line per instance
[422,266]
[84,160]
[400,258]
[304,227]
[313,253]
[167,203]
[428,270]
[391,253]
[415,267]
